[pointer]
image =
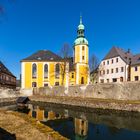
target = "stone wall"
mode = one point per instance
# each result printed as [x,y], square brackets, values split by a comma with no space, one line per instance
[119,91]
[8,93]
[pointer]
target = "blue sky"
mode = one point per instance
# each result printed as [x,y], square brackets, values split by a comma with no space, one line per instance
[31,25]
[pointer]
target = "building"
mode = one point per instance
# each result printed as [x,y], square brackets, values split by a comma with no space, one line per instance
[81,128]
[7,79]
[116,66]
[45,68]
[135,68]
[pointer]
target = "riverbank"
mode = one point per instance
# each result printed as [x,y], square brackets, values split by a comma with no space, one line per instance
[21,127]
[93,103]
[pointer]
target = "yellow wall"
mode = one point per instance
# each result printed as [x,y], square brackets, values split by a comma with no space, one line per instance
[135,73]
[79,52]
[28,75]
[83,72]
[72,81]
[40,77]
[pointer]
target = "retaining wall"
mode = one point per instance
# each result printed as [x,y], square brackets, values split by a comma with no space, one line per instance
[119,91]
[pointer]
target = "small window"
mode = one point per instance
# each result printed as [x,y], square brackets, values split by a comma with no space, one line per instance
[112,70]
[114,79]
[122,69]
[107,62]
[107,71]
[56,83]
[104,63]
[103,71]
[136,78]
[117,60]
[72,75]
[136,68]
[83,57]
[107,80]
[46,85]
[112,61]
[116,70]
[34,84]
[83,48]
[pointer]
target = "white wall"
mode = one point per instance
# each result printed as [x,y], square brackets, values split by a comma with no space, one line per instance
[113,66]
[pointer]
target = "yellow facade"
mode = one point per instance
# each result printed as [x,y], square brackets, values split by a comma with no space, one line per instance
[81,62]
[40,79]
[135,73]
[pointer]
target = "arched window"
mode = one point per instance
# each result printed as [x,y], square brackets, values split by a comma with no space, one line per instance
[34,70]
[57,70]
[46,71]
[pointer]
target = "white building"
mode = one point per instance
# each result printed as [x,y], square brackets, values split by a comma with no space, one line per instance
[115,67]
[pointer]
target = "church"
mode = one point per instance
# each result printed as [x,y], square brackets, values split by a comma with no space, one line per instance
[45,68]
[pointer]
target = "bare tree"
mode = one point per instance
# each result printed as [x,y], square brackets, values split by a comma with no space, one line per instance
[66,54]
[66,51]
[93,64]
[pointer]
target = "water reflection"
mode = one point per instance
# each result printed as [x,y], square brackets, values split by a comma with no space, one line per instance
[84,125]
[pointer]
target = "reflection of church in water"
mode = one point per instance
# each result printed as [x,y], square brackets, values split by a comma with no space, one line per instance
[80,124]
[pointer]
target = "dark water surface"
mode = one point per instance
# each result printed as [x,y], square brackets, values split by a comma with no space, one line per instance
[87,124]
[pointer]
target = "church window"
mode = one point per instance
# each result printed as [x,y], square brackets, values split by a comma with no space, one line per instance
[57,70]
[46,71]
[83,57]
[34,70]
[83,48]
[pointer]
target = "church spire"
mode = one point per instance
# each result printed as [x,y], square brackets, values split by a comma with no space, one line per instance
[80,19]
[81,28]
[81,34]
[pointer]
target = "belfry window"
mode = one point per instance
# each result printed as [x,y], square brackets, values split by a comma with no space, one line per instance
[34,70]
[57,70]
[72,75]
[83,48]
[46,71]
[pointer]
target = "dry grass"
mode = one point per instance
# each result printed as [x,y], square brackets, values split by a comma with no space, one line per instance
[26,128]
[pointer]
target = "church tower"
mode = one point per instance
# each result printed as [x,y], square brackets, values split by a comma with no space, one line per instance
[81,56]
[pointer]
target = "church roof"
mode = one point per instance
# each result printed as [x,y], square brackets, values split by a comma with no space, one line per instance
[115,51]
[3,69]
[136,59]
[43,55]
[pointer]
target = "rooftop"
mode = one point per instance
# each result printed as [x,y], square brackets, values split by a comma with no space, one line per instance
[43,55]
